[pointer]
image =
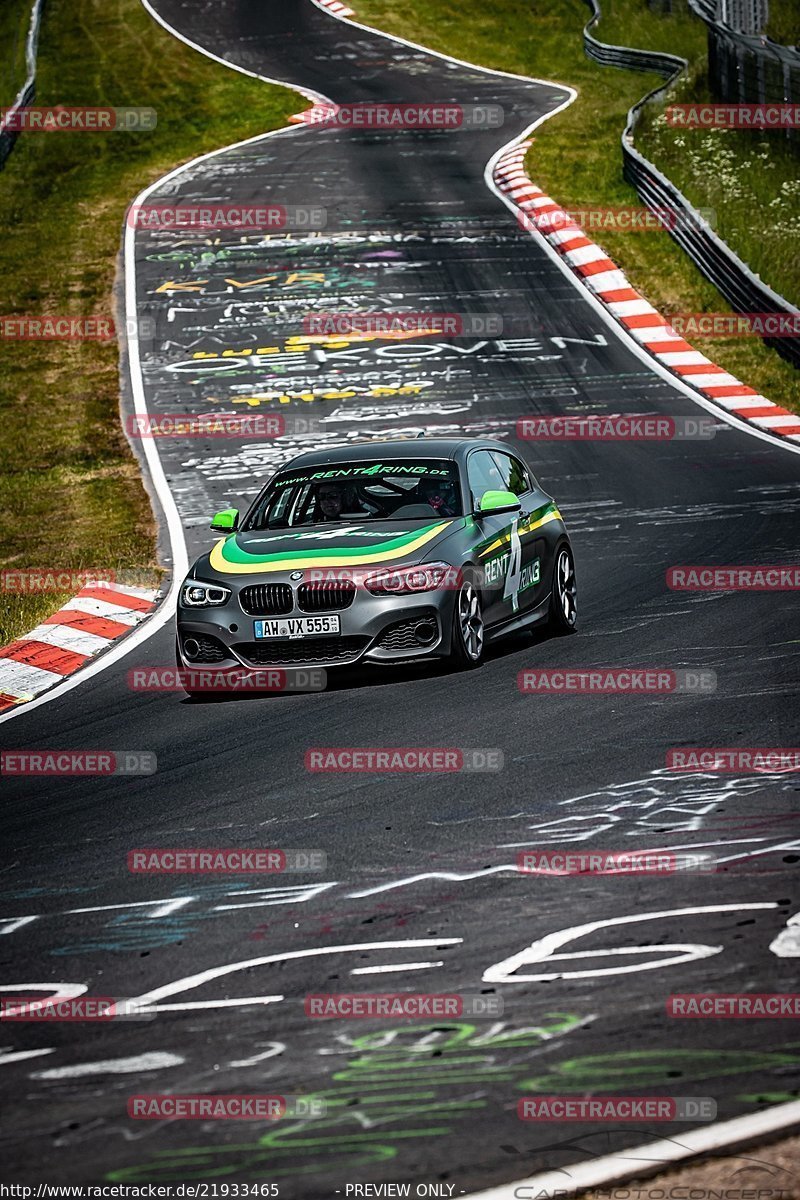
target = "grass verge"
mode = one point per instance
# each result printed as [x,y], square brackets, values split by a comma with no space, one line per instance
[750,180]
[71,495]
[576,156]
[783,22]
[15,19]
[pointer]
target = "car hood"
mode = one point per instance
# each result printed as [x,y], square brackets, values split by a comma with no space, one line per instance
[352,544]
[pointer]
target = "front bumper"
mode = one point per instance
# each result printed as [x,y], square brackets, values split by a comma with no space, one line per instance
[372,629]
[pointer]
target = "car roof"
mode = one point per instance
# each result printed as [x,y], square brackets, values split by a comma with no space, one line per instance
[426,447]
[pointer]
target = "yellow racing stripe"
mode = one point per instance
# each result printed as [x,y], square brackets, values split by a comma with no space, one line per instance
[553,515]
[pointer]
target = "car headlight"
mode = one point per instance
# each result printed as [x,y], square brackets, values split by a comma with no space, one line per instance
[197,594]
[402,581]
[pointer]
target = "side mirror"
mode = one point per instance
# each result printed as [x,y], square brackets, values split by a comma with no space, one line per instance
[491,503]
[226,521]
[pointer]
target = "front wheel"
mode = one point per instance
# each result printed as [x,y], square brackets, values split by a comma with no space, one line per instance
[468,631]
[564,596]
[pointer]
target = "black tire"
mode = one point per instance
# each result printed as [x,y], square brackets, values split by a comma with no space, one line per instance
[563,617]
[468,639]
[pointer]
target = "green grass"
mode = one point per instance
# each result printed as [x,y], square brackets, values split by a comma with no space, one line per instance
[749,180]
[15,17]
[784,22]
[632,23]
[70,490]
[576,156]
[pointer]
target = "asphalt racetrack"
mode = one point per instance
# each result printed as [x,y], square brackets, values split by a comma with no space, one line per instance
[421,891]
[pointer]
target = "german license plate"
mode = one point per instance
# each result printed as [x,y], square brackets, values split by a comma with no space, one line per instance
[296,627]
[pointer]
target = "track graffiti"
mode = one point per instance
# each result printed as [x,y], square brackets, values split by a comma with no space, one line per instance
[626,1071]
[394,1087]
[148,924]
[671,813]
[545,950]
[581,968]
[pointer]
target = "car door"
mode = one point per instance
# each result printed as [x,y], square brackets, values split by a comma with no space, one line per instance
[531,583]
[498,544]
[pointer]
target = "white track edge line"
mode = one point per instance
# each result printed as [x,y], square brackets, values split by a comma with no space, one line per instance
[650,1159]
[461,62]
[719,1134]
[31,52]
[716,1136]
[585,292]
[777,1117]
[317,97]
[166,608]
[177,541]
[620,331]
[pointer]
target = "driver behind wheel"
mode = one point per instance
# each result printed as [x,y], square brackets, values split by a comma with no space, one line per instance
[330,498]
[440,496]
[335,500]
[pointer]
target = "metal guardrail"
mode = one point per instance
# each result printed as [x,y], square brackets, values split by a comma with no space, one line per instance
[753,69]
[27,92]
[669,66]
[740,286]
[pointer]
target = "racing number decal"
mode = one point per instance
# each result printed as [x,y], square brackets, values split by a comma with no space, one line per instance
[508,566]
[514,573]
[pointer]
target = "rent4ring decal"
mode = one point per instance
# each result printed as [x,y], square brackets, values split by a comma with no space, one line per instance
[513,578]
[530,575]
[509,565]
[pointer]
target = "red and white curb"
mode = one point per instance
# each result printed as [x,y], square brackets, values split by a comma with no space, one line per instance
[609,284]
[318,114]
[334,6]
[89,623]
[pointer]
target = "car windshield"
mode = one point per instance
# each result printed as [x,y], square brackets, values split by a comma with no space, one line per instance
[398,490]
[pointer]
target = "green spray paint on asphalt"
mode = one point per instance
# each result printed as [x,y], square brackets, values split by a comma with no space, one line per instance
[395,1086]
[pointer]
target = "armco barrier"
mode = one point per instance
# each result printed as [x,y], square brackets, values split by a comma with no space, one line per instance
[27,92]
[743,290]
[744,67]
